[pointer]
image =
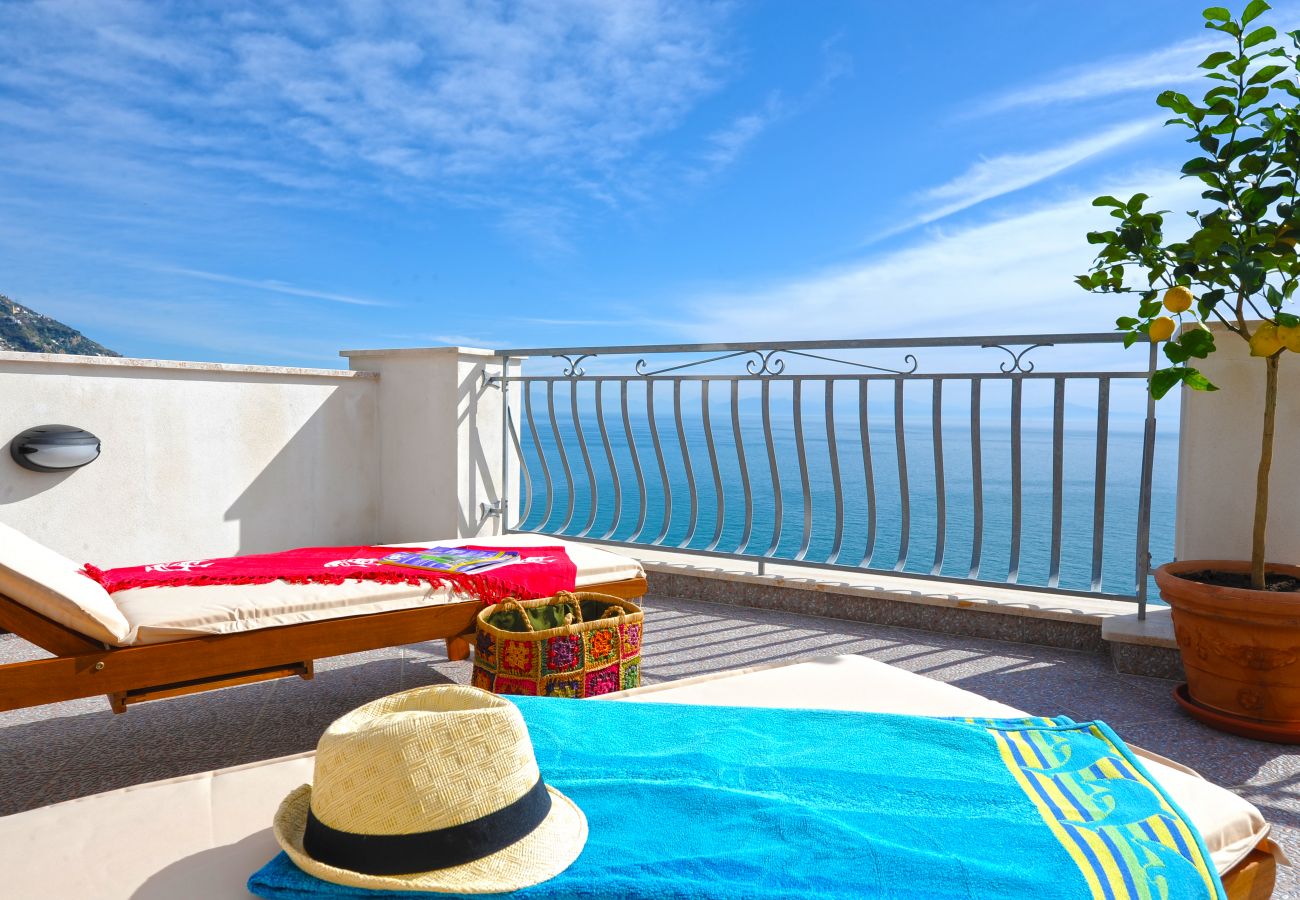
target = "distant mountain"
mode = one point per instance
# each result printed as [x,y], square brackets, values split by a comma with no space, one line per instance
[28,331]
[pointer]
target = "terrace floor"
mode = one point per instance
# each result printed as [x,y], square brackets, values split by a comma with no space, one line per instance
[58,752]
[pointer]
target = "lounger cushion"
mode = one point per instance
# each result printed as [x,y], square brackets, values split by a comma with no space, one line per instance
[54,586]
[200,836]
[160,614]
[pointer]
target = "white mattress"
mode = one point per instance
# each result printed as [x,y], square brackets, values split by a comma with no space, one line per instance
[201,836]
[160,614]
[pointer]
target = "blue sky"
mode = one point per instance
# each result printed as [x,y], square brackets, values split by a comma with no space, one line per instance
[271,183]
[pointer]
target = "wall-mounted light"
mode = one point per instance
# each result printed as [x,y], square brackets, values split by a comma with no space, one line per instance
[54,448]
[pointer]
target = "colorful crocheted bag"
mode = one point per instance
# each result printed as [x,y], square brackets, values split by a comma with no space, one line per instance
[569,645]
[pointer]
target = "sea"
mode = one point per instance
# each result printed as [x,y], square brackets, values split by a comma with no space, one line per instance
[837,486]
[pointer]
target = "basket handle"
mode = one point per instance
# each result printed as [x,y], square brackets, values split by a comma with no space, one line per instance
[622,613]
[572,600]
[512,603]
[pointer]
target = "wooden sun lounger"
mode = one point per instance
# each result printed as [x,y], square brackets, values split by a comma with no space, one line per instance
[82,667]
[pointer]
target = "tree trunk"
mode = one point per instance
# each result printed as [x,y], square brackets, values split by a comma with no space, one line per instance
[1257,544]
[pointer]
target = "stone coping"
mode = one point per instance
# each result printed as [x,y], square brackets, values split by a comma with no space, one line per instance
[172,365]
[984,598]
[419,351]
[1156,631]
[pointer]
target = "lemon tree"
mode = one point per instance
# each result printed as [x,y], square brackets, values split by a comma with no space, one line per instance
[1238,268]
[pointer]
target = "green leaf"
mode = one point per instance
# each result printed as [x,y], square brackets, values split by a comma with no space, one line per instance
[1254,95]
[1267,73]
[1287,319]
[1197,382]
[1126,323]
[1135,203]
[1149,308]
[1217,14]
[1253,11]
[1217,58]
[1179,103]
[1163,380]
[1176,352]
[1132,338]
[1259,36]
[1107,200]
[1198,342]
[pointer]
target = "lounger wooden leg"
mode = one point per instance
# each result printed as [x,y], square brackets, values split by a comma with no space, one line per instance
[458,648]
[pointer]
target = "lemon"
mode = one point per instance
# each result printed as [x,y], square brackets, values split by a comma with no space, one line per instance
[1265,341]
[1290,337]
[1162,329]
[1178,299]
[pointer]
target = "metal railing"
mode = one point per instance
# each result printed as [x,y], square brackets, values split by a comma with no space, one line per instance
[825,454]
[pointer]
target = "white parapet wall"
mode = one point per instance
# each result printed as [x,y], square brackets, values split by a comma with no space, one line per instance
[1219,452]
[201,459]
[198,459]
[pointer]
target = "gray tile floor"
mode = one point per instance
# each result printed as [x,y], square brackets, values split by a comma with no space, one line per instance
[57,752]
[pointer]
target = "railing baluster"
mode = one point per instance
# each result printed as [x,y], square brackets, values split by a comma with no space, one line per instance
[1099,481]
[940,491]
[905,512]
[592,484]
[802,453]
[1013,567]
[868,472]
[663,466]
[977,479]
[743,545]
[564,456]
[523,466]
[771,462]
[609,459]
[707,421]
[642,496]
[1142,562]
[833,453]
[1058,476]
[541,455]
[686,462]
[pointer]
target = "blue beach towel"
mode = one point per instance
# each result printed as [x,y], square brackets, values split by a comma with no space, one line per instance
[768,804]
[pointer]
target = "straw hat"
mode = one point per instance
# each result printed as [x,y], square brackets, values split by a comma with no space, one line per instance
[434,789]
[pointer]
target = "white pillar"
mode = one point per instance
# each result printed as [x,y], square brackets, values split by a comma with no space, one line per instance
[440,440]
[1218,454]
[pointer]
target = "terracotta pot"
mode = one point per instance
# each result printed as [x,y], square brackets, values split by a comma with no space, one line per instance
[1240,648]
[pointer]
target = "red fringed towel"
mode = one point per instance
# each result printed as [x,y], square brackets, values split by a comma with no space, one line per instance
[540,572]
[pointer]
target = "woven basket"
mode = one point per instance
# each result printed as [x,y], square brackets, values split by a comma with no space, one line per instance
[569,645]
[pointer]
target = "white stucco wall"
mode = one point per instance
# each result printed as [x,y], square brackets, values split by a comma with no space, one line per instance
[198,459]
[440,440]
[1219,453]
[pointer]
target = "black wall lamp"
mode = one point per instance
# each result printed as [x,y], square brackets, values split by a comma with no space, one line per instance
[54,448]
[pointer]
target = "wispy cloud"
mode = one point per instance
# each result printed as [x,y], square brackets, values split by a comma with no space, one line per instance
[999,175]
[1011,275]
[268,284]
[724,146]
[444,99]
[1165,68]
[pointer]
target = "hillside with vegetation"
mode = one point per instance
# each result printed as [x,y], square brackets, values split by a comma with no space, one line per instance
[28,331]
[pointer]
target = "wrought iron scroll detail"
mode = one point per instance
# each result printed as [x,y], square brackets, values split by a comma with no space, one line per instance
[1017,363]
[772,362]
[573,369]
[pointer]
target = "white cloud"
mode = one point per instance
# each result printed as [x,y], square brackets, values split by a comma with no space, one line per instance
[1012,275]
[267,284]
[726,144]
[437,97]
[1162,69]
[1009,172]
